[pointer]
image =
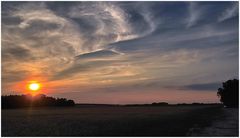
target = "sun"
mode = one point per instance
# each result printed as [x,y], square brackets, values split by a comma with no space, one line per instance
[34,86]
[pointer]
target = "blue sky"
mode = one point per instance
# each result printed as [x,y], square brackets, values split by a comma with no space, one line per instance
[121,52]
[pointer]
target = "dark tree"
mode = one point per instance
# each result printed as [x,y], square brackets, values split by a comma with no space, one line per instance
[229,94]
[20,101]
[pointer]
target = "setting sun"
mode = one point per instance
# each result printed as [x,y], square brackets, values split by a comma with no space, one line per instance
[34,86]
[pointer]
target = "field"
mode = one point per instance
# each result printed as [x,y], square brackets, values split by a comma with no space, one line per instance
[107,120]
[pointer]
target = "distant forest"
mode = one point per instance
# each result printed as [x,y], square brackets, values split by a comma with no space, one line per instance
[20,101]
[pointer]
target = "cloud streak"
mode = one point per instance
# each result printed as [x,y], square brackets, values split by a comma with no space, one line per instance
[229,12]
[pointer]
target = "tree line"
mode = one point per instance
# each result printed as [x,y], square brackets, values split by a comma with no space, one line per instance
[228,94]
[20,101]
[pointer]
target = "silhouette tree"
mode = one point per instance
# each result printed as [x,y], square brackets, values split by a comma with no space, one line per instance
[229,94]
[159,104]
[20,101]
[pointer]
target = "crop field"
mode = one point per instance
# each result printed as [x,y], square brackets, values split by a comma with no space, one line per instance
[107,120]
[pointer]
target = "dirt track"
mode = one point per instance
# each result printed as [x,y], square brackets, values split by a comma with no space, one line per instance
[224,125]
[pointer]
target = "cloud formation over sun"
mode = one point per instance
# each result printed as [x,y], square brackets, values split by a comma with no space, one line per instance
[119,47]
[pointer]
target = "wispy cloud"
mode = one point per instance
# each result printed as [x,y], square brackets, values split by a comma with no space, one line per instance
[108,22]
[194,14]
[229,12]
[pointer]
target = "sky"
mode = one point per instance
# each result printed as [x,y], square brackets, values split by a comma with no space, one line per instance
[120,52]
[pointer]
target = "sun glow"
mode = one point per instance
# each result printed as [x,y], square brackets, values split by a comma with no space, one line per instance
[34,86]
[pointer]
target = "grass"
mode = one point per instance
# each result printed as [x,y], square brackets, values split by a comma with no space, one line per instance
[107,120]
